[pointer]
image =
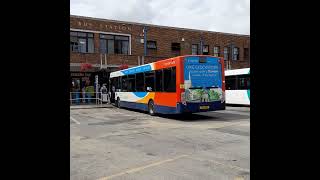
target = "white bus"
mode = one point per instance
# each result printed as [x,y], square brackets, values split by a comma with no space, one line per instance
[238,86]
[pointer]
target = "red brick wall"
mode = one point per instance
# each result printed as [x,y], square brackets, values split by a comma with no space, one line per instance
[162,35]
[92,58]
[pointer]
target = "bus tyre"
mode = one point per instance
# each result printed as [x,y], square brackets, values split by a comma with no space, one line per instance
[151,107]
[118,102]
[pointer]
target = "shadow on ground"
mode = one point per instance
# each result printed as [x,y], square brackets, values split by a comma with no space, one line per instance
[204,116]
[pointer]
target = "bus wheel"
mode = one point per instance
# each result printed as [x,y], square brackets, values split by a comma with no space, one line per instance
[151,107]
[118,102]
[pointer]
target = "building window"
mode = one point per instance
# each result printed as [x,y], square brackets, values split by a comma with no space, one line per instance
[235,54]
[114,44]
[216,51]
[225,53]
[175,47]
[205,50]
[151,44]
[81,42]
[246,53]
[194,49]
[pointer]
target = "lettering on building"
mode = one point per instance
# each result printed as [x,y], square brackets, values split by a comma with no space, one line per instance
[80,74]
[105,27]
[84,24]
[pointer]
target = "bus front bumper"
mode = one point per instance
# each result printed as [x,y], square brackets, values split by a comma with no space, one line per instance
[200,107]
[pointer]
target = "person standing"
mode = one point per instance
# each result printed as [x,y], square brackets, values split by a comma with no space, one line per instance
[83,92]
[104,93]
[112,96]
[77,93]
[89,92]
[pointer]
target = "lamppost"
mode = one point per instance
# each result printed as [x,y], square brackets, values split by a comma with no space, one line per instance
[80,47]
[201,44]
[145,40]
[231,54]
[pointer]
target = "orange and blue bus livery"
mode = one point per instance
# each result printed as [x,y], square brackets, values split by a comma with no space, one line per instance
[183,84]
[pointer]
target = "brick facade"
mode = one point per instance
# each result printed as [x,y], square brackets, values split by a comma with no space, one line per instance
[163,36]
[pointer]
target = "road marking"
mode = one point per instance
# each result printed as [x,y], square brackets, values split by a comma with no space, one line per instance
[218,126]
[74,120]
[133,170]
[233,112]
[230,166]
[238,178]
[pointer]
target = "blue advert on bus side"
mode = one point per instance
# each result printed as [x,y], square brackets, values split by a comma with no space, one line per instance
[203,80]
[207,74]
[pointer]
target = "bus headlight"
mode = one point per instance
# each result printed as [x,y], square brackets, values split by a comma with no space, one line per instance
[183,98]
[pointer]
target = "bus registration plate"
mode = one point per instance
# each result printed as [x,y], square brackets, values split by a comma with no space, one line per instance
[204,107]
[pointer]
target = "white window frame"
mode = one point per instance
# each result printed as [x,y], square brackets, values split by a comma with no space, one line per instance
[105,32]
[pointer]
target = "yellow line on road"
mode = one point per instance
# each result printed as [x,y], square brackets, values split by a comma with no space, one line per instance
[133,170]
[226,165]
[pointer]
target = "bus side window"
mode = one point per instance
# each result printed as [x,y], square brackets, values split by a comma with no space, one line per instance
[169,78]
[230,82]
[149,81]
[115,83]
[124,84]
[140,82]
[119,83]
[159,80]
[131,83]
[112,83]
[243,82]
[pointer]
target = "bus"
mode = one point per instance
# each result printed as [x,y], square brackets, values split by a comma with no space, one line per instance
[238,86]
[183,84]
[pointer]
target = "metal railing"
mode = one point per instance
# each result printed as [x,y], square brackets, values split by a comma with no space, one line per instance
[98,98]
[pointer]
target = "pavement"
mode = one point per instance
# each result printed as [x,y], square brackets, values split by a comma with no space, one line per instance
[88,106]
[112,143]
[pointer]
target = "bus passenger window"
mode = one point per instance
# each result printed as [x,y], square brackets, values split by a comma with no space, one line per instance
[149,81]
[124,83]
[131,83]
[169,78]
[159,81]
[117,83]
[231,83]
[140,82]
[243,82]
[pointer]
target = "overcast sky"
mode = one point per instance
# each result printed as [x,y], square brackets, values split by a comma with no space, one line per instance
[231,16]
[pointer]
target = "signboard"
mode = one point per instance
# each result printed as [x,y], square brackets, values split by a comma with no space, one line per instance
[123,27]
[80,74]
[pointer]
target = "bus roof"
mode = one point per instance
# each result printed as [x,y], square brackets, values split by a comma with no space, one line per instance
[136,69]
[237,71]
[148,67]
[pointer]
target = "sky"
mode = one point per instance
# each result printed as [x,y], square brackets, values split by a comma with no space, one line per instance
[229,16]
